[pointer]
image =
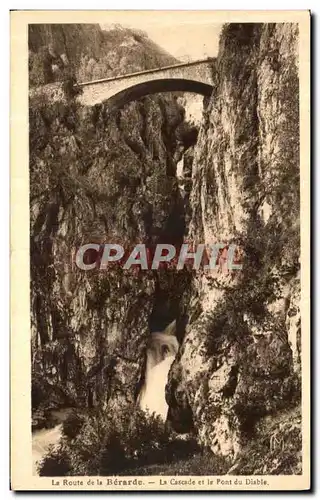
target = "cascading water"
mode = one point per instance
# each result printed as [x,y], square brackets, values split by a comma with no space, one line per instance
[43,439]
[161,352]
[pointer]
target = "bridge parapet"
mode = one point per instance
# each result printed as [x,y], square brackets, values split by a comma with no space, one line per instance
[196,76]
[198,71]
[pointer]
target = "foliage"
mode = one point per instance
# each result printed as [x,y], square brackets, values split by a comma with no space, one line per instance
[256,287]
[275,449]
[271,247]
[69,87]
[99,444]
[90,51]
[201,463]
[72,425]
[263,363]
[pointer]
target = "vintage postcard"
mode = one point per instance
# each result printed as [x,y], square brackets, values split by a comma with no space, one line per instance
[160,239]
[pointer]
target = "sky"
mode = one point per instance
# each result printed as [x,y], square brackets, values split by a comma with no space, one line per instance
[195,39]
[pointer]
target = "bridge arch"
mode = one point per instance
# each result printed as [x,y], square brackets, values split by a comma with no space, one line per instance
[143,89]
[196,76]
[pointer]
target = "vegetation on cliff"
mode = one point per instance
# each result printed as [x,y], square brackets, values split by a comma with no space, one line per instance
[245,341]
[88,52]
[97,176]
[100,444]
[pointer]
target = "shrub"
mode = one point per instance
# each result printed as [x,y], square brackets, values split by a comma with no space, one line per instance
[55,463]
[69,87]
[114,443]
[72,425]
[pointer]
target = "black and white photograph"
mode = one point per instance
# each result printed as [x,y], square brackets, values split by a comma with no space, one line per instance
[166,325]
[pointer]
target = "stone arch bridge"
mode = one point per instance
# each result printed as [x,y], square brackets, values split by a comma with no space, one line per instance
[196,76]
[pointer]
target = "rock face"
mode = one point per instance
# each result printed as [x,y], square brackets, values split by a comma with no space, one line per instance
[98,177]
[89,53]
[240,357]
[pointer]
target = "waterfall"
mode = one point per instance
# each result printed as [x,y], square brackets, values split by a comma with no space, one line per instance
[161,352]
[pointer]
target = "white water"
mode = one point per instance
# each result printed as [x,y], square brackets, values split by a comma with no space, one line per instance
[42,439]
[193,105]
[161,353]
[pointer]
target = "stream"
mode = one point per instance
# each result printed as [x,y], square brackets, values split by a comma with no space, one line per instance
[43,438]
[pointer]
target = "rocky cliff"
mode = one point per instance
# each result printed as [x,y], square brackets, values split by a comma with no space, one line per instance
[97,177]
[87,52]
[100,177]
[240,358]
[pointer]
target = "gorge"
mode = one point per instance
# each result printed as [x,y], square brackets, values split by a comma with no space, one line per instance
[231,372]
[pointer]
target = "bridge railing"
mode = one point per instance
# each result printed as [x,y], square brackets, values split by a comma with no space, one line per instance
[152,70]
